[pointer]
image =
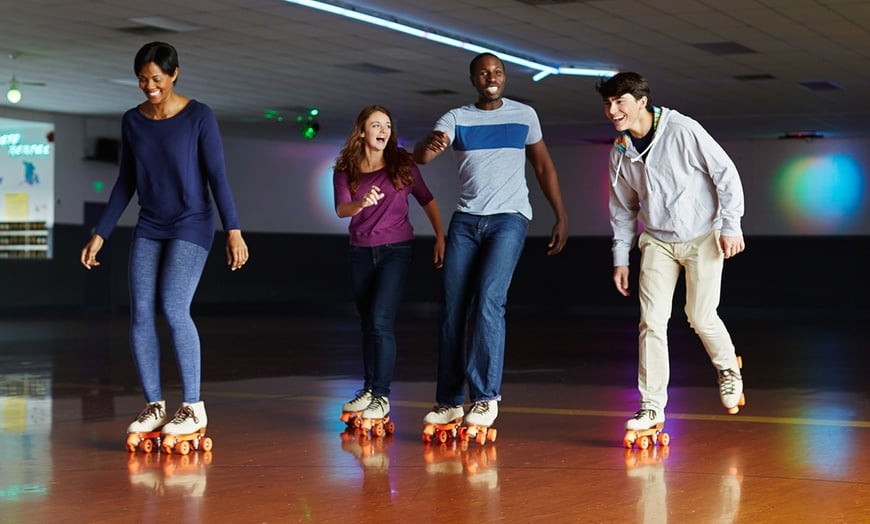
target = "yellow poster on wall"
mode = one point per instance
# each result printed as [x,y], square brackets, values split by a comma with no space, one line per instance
[15,207]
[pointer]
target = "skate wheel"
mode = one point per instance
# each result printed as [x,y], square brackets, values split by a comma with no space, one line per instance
[390,427]
[734,410]
[742,401]
[146,446]
[183,447]
[491,434]
[357,422]
[427,438]
[207,444]
[480,438]
[643,442]
[739,362]
[441,436]
[132,443]
[379,430]
[664,439]
[462,434]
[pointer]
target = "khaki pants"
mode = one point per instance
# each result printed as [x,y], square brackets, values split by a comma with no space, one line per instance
[660,266]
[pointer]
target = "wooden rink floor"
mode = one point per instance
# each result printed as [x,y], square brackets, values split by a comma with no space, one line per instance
[799,451]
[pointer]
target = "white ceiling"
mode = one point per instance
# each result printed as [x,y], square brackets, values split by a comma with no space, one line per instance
[256,55]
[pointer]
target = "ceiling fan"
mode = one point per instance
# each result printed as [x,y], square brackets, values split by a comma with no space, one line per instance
[13,94]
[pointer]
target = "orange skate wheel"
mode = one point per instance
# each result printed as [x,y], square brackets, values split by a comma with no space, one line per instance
[132,443]
[491,434]
[664,439]
[462,434]
[206,444]
[379,430]
[481,437]
[146,446]
[427,438]
[643,442]
[390,427]
[357,422]
[739,362]
[441,436]
[183,447]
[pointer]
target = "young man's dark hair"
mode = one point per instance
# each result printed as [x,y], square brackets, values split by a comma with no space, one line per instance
[622,83]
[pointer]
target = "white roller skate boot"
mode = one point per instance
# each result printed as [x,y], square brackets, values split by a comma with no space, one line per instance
[360,402]
[442,423]
[645,429]
[378,408]
[482,413]
[479,420]
[731,390]
[187,428]
[375,419]
[351,411]
[645,419]
[444,415]
[150,419]
[143,434]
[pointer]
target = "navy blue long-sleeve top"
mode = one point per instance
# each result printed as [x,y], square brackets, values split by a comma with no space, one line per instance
[171,164]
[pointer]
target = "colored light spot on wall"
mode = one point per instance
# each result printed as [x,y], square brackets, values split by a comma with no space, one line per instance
[821,194]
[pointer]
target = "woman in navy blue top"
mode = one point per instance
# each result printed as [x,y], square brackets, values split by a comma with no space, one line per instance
[172,156]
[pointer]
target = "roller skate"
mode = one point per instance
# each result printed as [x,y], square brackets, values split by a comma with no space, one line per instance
[443,423]
[351,411]
[186,430]
[144,433]
[375,419]
[731,388]
[645,430]
[479,420]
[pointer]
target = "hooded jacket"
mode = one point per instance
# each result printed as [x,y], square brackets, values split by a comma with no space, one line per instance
[681,187]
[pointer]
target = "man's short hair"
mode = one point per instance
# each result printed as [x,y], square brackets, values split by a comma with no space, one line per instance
[622,83]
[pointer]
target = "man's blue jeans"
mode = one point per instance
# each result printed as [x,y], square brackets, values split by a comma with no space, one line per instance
[378,275]
[479,261]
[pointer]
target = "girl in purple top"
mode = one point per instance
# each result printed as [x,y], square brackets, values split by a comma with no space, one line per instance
[171,155]
[373,179]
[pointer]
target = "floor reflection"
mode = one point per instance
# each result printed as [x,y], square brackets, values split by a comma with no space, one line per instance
[25,429]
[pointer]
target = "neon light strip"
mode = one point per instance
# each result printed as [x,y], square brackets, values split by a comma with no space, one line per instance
[544,70]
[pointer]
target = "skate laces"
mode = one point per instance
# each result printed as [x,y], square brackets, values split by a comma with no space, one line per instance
[184,413]
[728,381]
[361,394]
[480,408]
[151,411]
[648,413]
[440,410]
[377,403]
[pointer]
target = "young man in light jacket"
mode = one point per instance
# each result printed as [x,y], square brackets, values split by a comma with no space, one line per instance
[667,172]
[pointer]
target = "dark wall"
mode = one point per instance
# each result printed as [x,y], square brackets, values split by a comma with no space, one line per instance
[310,271]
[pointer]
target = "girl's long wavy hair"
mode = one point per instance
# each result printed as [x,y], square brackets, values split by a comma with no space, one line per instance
[398,161]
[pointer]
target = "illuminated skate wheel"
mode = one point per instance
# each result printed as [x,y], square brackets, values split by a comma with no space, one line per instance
[491,434]
[390,427]
[206,444]
[480,438]
[441,436]
[379,430]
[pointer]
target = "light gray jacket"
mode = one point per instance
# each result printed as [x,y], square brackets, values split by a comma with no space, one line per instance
[686,187]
